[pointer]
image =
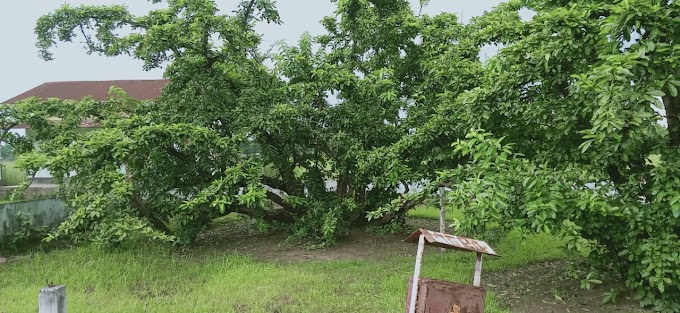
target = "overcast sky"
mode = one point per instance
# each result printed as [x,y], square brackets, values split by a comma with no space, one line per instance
[21,69]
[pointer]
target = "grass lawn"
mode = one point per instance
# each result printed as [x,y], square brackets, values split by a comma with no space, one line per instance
[430,212]
[152,278]
[11,176]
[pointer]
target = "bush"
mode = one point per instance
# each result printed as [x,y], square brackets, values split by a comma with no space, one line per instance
[27,237]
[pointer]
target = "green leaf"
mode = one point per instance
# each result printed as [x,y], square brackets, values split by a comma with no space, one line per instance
[650,45]
[657,93]
[585,145]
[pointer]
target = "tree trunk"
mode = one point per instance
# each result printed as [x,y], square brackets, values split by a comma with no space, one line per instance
[157,223]
[672,106]
[278,200]
[405,207]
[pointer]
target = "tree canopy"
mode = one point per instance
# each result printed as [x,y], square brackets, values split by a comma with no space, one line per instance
[584,95]
[571,129]
[304,145]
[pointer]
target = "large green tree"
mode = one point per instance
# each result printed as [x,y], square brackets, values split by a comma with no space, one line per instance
[585,96]
[317,127]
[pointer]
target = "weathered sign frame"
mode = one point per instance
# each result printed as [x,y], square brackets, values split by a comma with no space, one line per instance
[425,237]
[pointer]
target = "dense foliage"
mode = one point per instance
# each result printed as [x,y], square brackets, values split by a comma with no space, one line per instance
[584,95]
[582,92]
[305,145]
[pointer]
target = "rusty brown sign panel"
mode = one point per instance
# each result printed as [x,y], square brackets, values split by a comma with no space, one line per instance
[438,296]
[451,242]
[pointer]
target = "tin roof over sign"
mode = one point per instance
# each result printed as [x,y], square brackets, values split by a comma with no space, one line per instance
[451,242]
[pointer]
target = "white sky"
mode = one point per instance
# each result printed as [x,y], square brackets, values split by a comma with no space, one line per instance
[21,69]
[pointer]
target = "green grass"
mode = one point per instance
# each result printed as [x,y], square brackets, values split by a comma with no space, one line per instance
[156,279]
[12,176]
[430,212]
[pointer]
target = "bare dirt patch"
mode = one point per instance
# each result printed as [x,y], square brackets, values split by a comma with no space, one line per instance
[545,288]
[242,237]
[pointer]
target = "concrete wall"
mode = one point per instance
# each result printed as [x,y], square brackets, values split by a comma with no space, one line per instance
[32,192]
[46,212]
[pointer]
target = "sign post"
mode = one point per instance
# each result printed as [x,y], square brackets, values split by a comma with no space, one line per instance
[443,296]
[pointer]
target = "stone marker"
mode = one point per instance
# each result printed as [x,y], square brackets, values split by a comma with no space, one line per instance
[3,260]
[52,300]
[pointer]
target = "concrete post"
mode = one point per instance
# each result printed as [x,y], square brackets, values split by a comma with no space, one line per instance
[442,213]
[52,300]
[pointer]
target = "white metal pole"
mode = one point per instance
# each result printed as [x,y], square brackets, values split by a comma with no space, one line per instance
[442,214]
[416,274]
[478,271]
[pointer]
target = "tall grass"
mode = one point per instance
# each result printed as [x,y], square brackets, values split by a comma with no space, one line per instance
[157,279]
[10,175]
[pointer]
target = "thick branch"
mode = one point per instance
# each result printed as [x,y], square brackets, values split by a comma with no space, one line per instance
[172,151]
[342,186]
[247,13]
[405,207]
[615,175]
[275,183]
[278,200]
[285,167]
[138,203]
[207,54]
[672,106]
[6,131]
[269,215]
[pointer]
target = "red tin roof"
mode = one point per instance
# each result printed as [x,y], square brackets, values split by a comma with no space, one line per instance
[99,90]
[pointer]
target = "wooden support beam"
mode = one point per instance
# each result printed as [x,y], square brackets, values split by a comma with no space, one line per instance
[478,271]
[416,274]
